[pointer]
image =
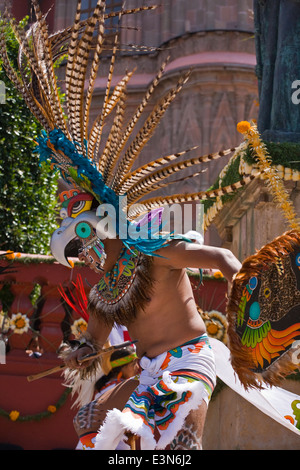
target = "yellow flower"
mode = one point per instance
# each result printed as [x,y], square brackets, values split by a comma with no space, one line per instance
[243,126]
[51,408]
[10,254]
[19,323]
[14,415]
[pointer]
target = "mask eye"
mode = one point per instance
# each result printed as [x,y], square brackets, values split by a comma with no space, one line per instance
[83,230]
[267,292]
[78,204]
[77,207]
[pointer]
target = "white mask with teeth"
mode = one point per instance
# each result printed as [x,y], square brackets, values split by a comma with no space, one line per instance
[87,228]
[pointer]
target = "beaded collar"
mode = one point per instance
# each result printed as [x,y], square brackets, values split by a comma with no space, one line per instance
[124,262]
[115,284]
[123,290]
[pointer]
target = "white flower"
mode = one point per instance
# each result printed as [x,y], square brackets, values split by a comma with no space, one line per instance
[19,323]
[78,327]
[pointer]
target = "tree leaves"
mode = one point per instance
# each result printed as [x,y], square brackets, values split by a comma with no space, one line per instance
[27,188]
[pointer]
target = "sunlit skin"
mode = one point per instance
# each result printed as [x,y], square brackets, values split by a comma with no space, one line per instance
[171,315]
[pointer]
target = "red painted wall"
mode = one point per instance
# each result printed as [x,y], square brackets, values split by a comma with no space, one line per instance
[21,8]
[30,398]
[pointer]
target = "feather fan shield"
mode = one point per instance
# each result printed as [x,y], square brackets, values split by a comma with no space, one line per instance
[264,313]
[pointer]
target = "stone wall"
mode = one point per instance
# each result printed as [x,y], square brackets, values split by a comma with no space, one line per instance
[235,424]
[253,219]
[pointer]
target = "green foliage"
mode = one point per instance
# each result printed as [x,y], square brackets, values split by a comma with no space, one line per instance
[282,153]
[27,189]
[286,154]
[231,176]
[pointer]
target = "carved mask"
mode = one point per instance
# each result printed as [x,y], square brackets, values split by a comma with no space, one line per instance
[79,221]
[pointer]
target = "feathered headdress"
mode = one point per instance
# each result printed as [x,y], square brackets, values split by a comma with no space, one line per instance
[75,145]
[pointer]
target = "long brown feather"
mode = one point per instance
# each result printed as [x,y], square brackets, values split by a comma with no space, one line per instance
[96,132]
[146,132]
[57,110]
[145,185]
[117,97]
[74,32]
[61,39]
[94,70]
[145,176]
[40,87]
[26,51]
[15,79]
[136,116]
[160,201]
[108,155]
[77,80]
[132,198]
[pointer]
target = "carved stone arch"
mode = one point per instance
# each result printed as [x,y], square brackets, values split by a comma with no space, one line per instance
[223,125]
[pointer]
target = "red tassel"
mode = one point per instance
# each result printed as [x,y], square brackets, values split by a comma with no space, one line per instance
[76,300]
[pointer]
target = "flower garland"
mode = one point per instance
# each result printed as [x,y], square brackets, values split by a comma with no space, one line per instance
[32,259]
[274,174]
[15,415]
[11,255]
[268,172]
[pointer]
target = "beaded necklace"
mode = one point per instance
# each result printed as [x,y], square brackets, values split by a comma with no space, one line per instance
[112,276]
[124,290]
[123,267]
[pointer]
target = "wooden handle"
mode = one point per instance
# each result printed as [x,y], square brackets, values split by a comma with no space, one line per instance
[31,378]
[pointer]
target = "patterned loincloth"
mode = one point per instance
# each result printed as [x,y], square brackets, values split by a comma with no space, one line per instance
[171,385]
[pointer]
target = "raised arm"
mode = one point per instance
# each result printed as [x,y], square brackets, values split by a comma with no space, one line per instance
[180,255]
